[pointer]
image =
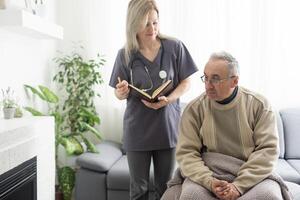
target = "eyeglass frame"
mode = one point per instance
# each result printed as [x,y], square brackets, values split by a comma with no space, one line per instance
[214,81]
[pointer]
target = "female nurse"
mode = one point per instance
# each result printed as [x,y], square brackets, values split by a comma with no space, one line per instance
[150,129]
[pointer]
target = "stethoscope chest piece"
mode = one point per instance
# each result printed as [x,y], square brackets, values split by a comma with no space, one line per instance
[162,74]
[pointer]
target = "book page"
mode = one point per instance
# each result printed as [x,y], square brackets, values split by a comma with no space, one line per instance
[160,88]
[140,91]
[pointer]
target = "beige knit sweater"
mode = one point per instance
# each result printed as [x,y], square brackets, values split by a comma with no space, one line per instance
[245,128]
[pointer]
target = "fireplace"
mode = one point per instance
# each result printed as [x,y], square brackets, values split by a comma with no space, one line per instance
[19,183]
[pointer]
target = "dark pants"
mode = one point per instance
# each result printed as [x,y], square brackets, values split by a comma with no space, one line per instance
[139,167]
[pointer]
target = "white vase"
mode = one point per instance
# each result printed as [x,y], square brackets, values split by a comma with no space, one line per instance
[9,113]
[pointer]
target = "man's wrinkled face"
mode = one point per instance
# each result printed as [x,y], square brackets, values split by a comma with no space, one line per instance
[219,84]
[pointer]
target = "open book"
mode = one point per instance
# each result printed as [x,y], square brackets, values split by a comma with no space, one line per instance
[160,91]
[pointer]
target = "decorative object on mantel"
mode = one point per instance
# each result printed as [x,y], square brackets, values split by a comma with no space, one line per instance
[8,113]
[18,112]
[8,103]
[36,7]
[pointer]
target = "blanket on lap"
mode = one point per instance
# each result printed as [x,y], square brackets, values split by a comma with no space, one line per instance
[224,168]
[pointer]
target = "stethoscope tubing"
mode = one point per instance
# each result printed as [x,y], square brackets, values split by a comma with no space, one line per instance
[145,66]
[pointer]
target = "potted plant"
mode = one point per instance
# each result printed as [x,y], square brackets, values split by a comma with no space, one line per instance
[66,175]
[78,79]
[9,103]
[75,116]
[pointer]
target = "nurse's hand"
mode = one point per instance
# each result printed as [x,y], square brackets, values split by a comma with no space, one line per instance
[122,90]
[162,101]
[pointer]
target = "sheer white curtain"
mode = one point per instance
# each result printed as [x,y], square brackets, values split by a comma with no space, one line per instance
[262,34]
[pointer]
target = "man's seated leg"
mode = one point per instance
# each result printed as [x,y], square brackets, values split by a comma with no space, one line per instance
[194,191]
[265,190]
[172,193]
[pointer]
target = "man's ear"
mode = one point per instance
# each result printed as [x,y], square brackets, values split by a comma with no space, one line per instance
[235,81]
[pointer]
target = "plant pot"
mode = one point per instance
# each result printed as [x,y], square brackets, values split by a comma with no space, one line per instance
[9,113]
[58,194]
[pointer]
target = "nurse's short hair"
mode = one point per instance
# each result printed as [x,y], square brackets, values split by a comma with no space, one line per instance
[233,65]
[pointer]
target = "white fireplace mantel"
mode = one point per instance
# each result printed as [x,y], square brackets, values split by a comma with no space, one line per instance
[24,138]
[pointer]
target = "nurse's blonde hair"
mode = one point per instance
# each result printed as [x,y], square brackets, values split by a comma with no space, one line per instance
[137,13]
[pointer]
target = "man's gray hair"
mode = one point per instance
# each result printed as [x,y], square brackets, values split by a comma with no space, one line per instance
[233,65]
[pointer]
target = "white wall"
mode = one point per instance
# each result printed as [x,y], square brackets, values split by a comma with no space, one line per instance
[26,60]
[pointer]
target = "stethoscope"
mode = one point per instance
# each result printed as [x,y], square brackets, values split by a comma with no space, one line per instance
[162,73]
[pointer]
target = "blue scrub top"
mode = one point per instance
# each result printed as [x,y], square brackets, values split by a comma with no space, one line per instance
[147,129]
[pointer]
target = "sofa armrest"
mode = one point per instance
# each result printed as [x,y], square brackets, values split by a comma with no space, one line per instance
[109,153]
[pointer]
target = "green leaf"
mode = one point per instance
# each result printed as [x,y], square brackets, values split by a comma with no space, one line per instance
[79,77]
[72,145]
[66,179]
[89,145]
[85,112]
[35,91]
[33,111]
[58,117]
[92,129]
[48,94]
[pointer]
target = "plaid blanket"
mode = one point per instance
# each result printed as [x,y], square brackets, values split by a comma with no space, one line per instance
[224,168]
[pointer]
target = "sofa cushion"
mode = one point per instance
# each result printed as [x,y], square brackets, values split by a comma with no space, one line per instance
[280,134]
[117,195]
[109,153]
[287,172]
[295,164]
[291,126]
[294,189]
[90,185]
[118,176]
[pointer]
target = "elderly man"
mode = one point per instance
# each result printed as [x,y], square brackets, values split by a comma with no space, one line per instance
[227,128]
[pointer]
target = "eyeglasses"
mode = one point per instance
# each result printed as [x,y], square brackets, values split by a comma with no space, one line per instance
[214,81]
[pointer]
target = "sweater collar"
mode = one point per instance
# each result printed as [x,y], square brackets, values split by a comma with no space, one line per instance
[230,98]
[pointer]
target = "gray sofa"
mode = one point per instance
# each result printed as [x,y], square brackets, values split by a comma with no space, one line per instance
[105,176]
